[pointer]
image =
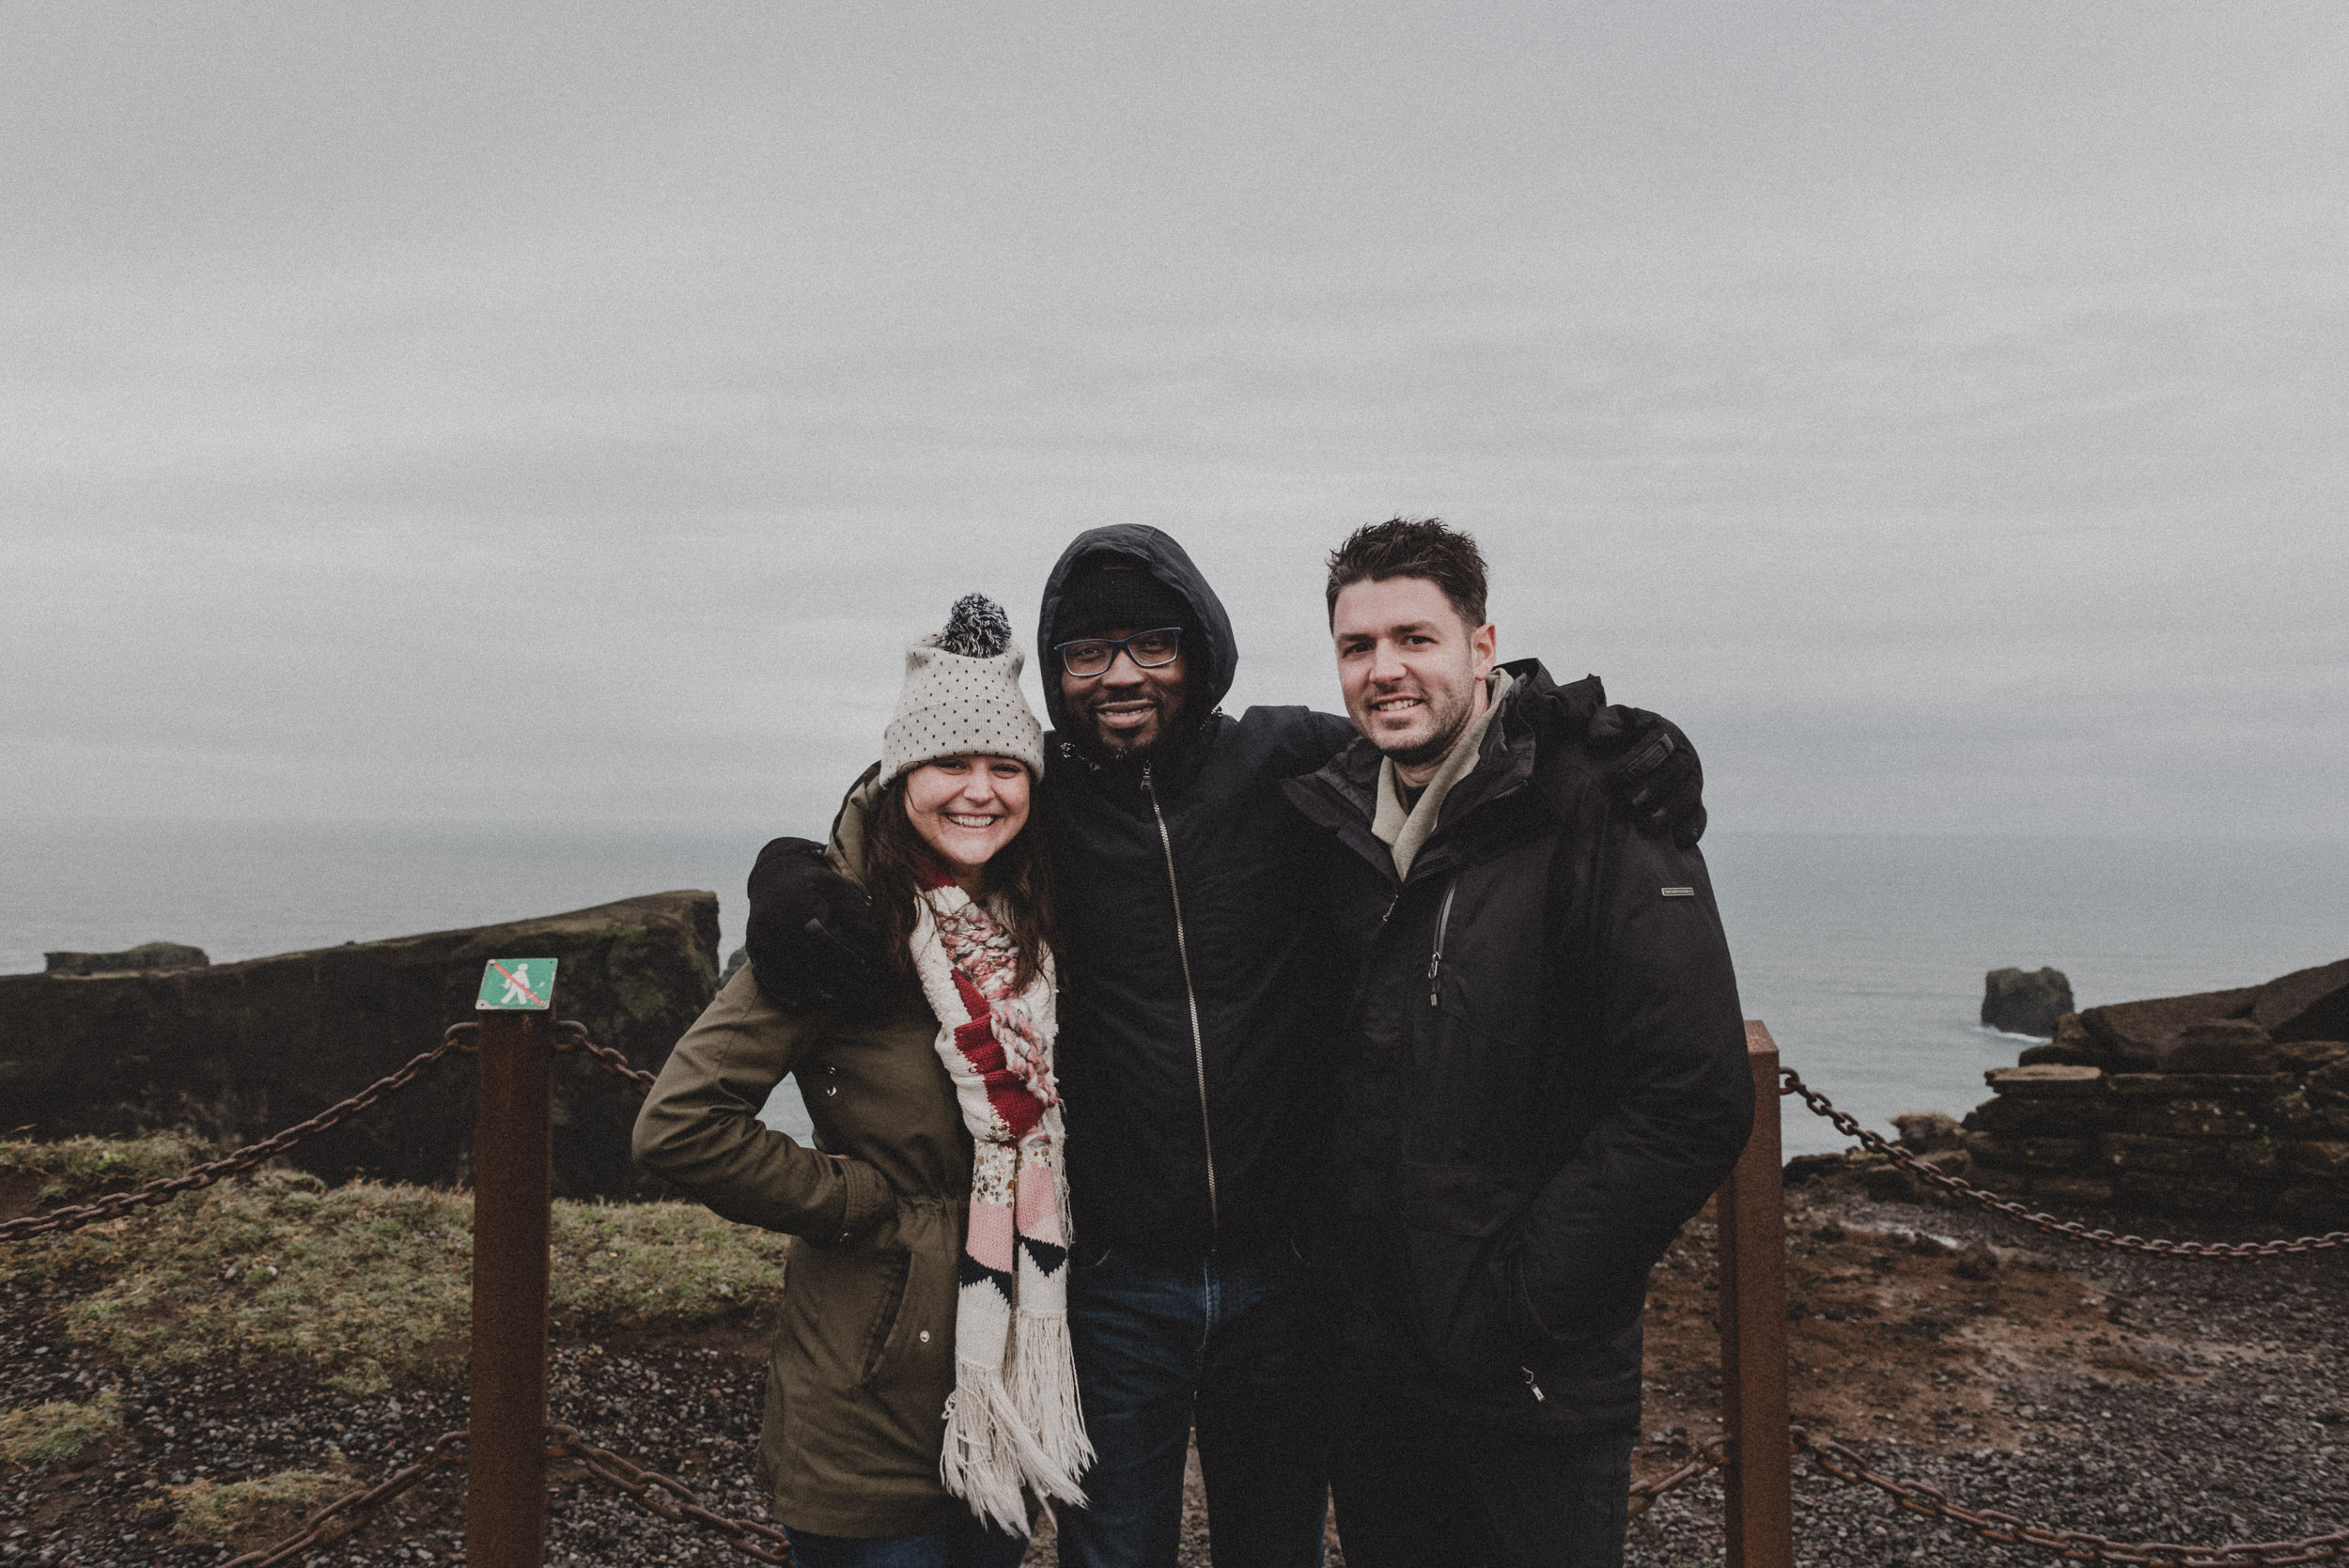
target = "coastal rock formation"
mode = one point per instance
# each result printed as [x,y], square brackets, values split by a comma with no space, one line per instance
[2130,1034]
[236,1051]
[2218,1046]
[2306,1004]
[2189,1104]
[2025,1002]
[146,955]
[1927,1132]
[2071,1044]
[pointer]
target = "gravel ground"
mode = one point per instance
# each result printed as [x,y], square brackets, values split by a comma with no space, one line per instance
[2199,1402]
[2135,1398]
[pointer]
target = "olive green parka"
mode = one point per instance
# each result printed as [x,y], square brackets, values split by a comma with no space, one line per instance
[863,1358]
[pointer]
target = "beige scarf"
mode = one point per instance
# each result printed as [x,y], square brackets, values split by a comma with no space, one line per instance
[1405,830]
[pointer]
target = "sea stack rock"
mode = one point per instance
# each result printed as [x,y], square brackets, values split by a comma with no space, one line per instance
[133,960]
[2025,1002]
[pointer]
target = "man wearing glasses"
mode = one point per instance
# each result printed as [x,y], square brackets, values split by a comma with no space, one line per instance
[1188,995]
[1195,1002]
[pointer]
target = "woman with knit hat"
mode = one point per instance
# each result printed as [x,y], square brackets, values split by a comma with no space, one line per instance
[921,1395]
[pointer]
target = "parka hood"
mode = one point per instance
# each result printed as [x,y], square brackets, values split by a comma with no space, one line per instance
[845,849]
[1209,668]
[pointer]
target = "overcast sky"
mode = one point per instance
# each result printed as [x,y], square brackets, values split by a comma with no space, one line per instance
[568,413]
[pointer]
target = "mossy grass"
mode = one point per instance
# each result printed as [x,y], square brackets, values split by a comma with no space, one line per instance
[214,1511]
[369,1285]
[73,1170]
[58,1432]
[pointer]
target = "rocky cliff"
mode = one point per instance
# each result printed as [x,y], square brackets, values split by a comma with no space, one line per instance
[235,1051]
[2230,1102]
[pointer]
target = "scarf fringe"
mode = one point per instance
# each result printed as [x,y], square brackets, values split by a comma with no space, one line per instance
[1044,1392]
[978,1463]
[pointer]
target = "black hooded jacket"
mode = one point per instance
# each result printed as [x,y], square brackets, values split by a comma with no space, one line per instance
[1541,1075]
[1194,987]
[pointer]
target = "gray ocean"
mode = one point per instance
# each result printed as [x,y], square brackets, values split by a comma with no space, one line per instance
[1863,953]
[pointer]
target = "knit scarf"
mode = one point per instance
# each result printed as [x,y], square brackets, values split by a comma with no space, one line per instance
[1013,1418]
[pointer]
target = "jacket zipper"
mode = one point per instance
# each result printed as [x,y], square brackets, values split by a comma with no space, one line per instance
[1191,996]
[1539,1397]
[1435,958]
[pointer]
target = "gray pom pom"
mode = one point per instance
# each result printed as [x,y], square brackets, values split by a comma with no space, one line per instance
[977,627]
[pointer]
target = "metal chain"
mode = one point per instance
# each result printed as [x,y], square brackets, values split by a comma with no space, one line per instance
[349,1511]
[645,1487]
[163,1189]
[569,1034]
[1644,1493]
[2071,1230]
[1922,1497]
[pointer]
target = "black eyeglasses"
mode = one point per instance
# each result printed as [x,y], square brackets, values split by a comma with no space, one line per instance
[1093,655]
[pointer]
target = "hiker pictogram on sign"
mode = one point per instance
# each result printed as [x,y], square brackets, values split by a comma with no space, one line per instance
[517,984]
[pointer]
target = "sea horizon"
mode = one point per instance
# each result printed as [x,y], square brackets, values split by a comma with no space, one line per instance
[1863,953]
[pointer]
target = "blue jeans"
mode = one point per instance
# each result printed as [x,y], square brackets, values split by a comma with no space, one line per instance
[971,1544]
[1228,1343]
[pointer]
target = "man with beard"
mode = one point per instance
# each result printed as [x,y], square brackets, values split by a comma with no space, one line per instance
[1540,1077]
[1195,997]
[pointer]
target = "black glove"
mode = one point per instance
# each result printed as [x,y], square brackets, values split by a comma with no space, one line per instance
[811,935]
[1655,776]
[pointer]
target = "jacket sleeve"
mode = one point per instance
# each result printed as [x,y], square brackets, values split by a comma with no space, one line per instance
[1666,1058]
[1301,739]
[699,1127]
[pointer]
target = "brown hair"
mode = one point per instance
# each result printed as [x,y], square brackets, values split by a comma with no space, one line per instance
[899,865]
[1421,547]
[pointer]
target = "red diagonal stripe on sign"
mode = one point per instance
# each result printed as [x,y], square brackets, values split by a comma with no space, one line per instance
[521,985]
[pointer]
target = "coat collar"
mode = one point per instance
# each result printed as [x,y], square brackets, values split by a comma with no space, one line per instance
[1342,796]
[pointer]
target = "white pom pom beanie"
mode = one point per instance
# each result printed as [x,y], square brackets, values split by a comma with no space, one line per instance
[961,695]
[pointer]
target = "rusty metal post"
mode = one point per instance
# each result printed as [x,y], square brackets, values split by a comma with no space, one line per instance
[505,1489]
[1758,1485]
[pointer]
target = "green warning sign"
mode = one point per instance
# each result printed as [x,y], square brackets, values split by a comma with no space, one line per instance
[517,984]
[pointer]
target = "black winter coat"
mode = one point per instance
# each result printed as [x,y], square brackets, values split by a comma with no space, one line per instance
[1542,1074]
[1195,985]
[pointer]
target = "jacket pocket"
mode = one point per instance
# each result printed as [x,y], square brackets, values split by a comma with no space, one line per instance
[895,1270]
[839,1302]
[1592,1383]
[1452,1220]
[912,1367]
[1455,1199]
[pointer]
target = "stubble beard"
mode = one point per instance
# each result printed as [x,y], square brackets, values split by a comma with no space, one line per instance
[1449,711]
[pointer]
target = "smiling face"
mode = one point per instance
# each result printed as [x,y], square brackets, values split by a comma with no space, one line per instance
[966,810]
[1412,670]
[1126,709]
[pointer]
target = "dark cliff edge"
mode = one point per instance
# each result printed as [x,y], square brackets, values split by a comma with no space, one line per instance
[235,1051]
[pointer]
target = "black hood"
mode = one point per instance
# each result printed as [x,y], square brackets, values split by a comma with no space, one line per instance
[1209,657]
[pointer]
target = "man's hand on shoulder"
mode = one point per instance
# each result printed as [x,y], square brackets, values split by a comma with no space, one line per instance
[1655,775]
[811,935]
